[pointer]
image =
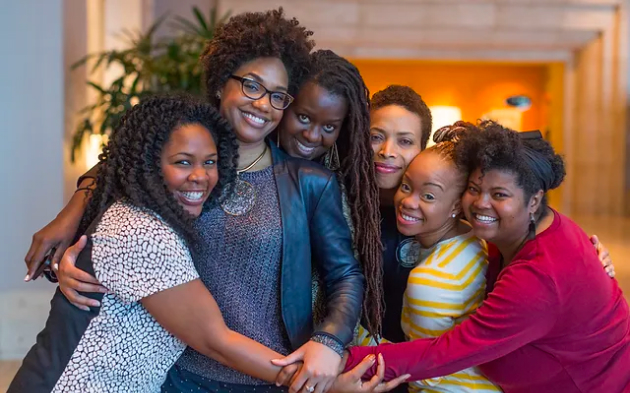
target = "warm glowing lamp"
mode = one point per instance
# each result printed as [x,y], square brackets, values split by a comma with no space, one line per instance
[443,116]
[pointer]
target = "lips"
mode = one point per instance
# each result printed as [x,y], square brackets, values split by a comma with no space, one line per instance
[481,219]
[192,198]
[383,168]
[305,151]
[406,219]
[253,120]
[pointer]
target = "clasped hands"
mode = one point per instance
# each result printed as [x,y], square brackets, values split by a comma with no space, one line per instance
[315,368]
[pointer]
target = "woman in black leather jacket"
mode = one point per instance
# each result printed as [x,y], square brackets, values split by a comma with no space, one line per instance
[260,241]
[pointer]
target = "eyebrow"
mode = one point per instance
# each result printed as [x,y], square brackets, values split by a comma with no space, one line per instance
[190,155]
[398,133]
[260,80]
[433,184]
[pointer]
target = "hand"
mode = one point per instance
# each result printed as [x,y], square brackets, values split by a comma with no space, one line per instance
[73,279]
[57,234]
[350,382]
[285,376]
[604,256]
[321,367]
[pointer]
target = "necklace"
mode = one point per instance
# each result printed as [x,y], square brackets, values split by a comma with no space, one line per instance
[243,197]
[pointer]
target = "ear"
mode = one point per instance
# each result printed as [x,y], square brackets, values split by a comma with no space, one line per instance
[535,201]
[457,208]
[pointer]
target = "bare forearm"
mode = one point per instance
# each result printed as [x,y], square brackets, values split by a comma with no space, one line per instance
[247,356]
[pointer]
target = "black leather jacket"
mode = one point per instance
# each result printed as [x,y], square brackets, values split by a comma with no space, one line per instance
[314,230]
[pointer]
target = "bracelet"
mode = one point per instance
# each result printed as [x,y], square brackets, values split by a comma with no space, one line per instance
[330,341]
[83,188]
[51,276]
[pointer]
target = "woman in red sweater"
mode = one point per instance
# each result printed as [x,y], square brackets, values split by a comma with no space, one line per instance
[552,322]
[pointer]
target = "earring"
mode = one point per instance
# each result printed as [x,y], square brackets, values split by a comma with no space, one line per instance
[532,227]
[277,139]
[331,159]
[453,215]
[218,95]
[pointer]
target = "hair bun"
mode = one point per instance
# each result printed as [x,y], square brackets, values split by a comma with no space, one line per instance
[453,132]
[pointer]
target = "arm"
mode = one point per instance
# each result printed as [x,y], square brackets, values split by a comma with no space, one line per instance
[190,313]
[331,245]
[58,234]
[436,298]
[167,284]
[521,309]
[341,273]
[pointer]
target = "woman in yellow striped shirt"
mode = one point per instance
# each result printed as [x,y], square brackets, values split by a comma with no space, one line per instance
[448,283]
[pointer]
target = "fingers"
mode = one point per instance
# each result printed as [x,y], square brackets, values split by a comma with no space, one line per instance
[74,251]
[380,370]
[36,255]
[319,385]
[285,375]
[59,251]
[296,356]
[610,270]
[595,241]
[73,273]
[329,385]
[79,301]
[376,378]
[361,368]
[387,386]
[299,381]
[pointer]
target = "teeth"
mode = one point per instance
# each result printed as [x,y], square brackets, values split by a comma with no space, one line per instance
[193,196]
[485,218]
[305,149]
[409,218]
[255,119]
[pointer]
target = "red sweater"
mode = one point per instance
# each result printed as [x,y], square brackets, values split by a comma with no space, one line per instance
[554,322]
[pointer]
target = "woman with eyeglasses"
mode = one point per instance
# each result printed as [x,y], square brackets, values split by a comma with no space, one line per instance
[284,214]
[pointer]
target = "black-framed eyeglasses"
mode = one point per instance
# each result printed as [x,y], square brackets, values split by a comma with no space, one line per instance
[255,91]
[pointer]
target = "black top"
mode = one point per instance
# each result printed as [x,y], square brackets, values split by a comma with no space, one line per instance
[396,269]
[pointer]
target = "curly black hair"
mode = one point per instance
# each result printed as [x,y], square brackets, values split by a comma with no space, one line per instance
[407,98]
[446,138]
[533,160]
[252,35]
[340,77]
[130,167]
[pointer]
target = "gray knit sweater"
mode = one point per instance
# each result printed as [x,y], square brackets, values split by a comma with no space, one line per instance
[239,262]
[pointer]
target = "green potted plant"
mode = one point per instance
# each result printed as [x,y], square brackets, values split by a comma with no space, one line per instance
[150,65]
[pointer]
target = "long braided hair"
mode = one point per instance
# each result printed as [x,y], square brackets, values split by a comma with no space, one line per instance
[356,172]
[130,166]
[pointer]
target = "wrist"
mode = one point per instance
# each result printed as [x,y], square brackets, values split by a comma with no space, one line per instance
[330,341]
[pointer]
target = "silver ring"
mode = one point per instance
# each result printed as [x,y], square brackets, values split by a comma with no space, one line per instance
[309,389]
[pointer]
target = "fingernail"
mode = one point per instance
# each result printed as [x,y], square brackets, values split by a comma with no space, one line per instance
[95,304]
[103,290]
[28,277]
[372,358]
[56,266]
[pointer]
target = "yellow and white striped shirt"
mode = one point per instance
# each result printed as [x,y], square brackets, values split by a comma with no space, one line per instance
[447,286]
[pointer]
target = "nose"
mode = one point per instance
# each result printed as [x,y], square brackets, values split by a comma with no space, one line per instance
[198,175]
[387,150]
[263,103]
[409,202]
[482,201]
[312,135]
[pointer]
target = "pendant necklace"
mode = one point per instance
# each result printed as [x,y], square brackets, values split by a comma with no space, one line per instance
[243,197]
